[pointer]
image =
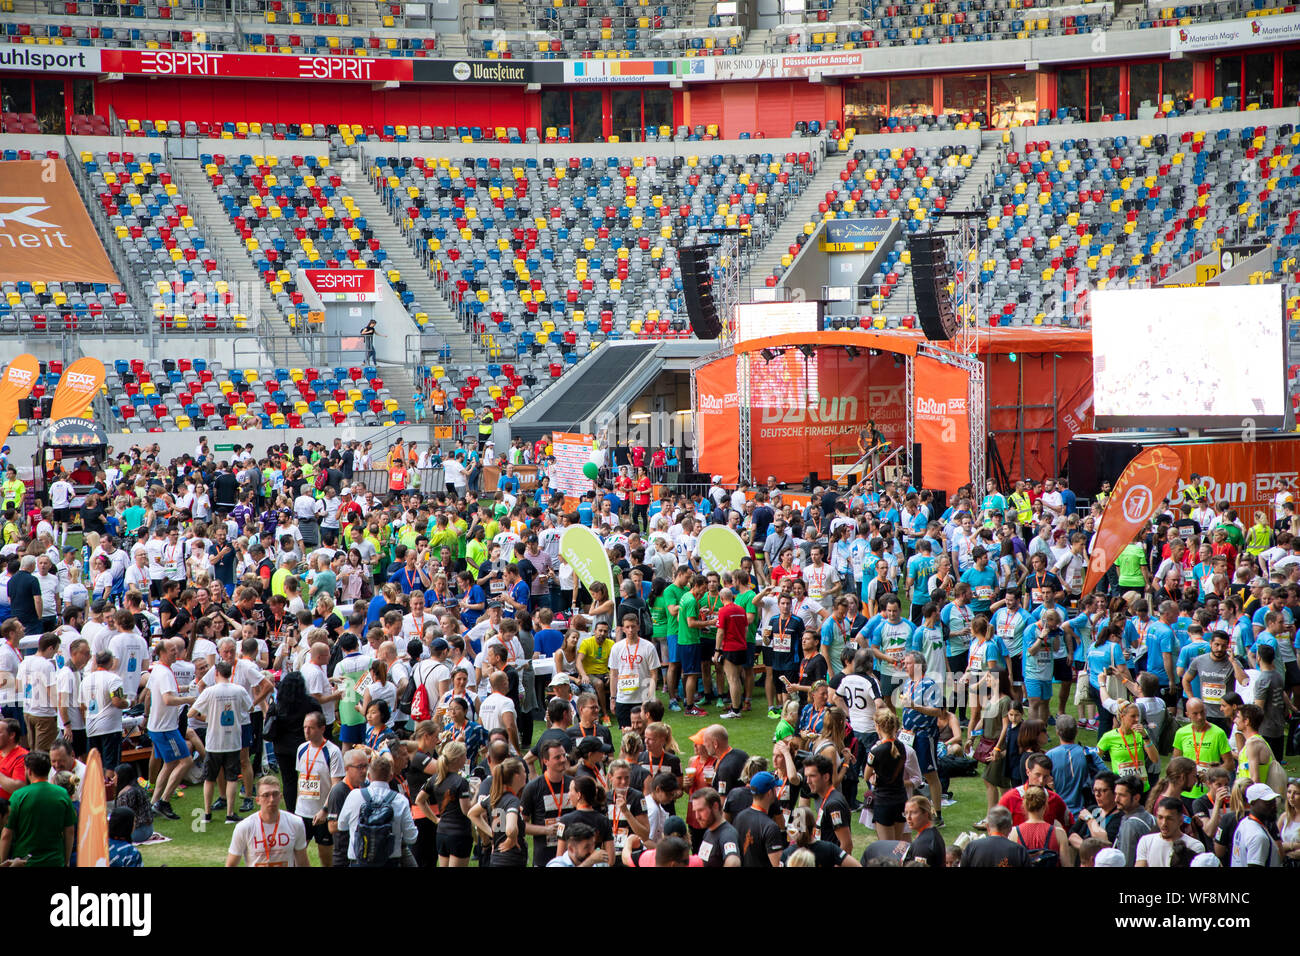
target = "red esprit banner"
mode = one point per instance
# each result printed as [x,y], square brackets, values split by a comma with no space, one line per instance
[1138,493]
[941,424]
[342,281]
[270,65]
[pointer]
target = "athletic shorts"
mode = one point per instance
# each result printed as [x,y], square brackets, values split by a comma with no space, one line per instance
[888,814]
[246,736]
[219,761]
[61,515]
[352,733]
[688,655]
[455,844]
[320,832]
[957,662]
[169,745]
[1292,674]
[1041,689]
[752,652]
[927,756]
[1017,669]
[672,649]
[739,658]
[1062,671]
[623,713]
[790,674]
[708,647]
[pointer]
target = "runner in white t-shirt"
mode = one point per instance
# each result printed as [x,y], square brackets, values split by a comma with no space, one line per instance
[270,837]
[320,768]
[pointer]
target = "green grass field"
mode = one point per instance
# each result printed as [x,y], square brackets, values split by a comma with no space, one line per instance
[194,844]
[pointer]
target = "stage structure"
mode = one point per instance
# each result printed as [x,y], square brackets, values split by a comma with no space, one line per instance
[801,405]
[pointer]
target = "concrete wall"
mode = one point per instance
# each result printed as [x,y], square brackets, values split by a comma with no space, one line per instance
[1171,126]
[174,444]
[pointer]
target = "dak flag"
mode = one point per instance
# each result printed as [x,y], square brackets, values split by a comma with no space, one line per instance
[1138,493]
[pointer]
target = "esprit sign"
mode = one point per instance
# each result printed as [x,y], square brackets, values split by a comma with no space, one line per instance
[343,285]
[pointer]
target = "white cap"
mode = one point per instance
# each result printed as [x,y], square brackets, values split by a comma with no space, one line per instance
[717,479]
[559,679]
[1108,857]
[1260,791]
[1205,859]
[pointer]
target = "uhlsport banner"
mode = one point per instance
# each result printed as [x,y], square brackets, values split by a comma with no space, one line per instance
[16,384]
[80,381]
[1138,493]
[721,549]
[586,555]
[45,232]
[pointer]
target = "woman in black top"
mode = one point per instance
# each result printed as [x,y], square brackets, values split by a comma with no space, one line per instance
[589,808]
[812,668]
[500,819]
[886,773]
[292,704]
[445,800]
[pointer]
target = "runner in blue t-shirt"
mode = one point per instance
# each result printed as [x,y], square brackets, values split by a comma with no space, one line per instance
[1010,622]
[983,581]
[1041,645]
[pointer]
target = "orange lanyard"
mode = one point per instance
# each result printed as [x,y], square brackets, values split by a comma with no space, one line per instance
[266,846]
[559,802]
[655,771]
[1135,752]
[311,762]
[1196,744]
[632,657]
[822,808]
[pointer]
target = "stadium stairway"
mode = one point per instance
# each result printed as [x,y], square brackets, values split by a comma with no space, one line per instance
[442,320]
[215,224]
[805,210]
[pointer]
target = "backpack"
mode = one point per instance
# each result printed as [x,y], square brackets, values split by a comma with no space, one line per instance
[1040,856]
[374,836]
[416,701]
[320,480]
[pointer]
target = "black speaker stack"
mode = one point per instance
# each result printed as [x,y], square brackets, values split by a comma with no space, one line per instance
[934,308]
[697,289]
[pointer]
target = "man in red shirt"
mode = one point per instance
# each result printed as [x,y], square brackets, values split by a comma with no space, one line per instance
[1038,773]
[733,627]
[641,500]
[12,774]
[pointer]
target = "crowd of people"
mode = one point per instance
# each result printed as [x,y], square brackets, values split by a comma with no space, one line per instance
[419,678]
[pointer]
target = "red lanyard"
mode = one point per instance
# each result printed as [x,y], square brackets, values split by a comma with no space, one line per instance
[1135,752]
[631,656]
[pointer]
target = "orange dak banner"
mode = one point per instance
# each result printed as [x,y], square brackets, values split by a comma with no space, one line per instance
[941,424]
[45,233]
[718,419]
[77,387]
[1141,488]
[16,384]
[809,414]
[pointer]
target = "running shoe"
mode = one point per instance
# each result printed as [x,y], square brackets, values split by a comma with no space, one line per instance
[729,714]
[674,705]
[248,806]
[219,803]
[164,809]
[233,818]
[696,712]
[773,713]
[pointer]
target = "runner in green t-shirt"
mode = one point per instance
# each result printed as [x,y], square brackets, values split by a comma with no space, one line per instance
[672,607]
[1202,742]
[1132,567]
[1127,747]
[688,642]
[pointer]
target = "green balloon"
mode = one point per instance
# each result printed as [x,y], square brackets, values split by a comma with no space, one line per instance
[590,470]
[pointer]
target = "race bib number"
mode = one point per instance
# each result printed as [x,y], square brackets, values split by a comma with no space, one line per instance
[1036,595]
[629,683]
[1122,765]
[983,592]
[620,841]
[781,643]
[1212,692]
[815,593]
[309,786]
[907,737]
[706,851]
